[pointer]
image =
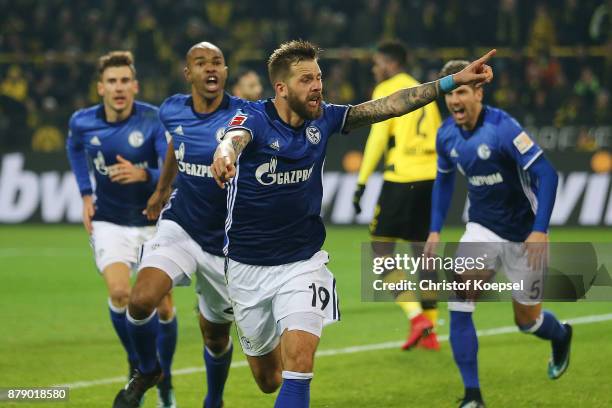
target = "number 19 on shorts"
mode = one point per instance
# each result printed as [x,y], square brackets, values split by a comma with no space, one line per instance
[320,296]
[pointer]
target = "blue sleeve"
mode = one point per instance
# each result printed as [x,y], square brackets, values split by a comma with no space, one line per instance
[78,158]
[517,144]
[336,117]
[445,164]
[244,119]
[441,196]
[546,180]
[161,145]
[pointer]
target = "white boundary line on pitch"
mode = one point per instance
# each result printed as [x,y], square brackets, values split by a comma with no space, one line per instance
[339,351]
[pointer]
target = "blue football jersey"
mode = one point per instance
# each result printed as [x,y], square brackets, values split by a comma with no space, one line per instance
[140,139]
[494,157]
[197,204]
[274,201]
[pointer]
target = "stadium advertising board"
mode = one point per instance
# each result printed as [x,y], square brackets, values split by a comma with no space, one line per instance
[39,187]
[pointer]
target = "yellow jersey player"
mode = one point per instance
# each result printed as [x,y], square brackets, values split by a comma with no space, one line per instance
[408,145]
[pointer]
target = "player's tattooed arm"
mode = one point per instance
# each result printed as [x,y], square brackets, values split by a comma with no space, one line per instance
[407,100]
[239,139]
[397,104]
[233,143]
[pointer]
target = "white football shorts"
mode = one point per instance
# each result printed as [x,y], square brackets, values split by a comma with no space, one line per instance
[114,243]
[263,295]
[173,251]
[478,240]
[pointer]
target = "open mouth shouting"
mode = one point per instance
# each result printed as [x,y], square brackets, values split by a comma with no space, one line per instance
[314,101]
[212,83]
[458,113]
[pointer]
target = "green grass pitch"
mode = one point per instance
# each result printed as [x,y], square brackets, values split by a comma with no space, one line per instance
[55,330]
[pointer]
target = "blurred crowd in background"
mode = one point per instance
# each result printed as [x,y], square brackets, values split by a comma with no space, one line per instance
[554,66]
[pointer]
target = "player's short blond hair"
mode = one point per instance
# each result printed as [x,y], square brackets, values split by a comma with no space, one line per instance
[289,53]
[452,67]
[116,59]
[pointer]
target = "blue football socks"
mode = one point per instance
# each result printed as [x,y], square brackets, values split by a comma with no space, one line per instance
[166,345]
[118,319]
[143,334]
[217,370]
[295,391]
[465,347]
[549,328]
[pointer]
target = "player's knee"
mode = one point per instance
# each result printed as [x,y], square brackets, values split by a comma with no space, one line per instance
[119,296]
[141,304]
[524,327]
[268,383]
[216,336]
[166,310]
[298,360]
[527,324]
[526,318]
[215,341]
[165,314]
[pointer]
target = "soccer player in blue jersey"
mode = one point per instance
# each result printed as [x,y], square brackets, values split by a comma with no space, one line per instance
[511,190]
[125,142]
[189,238]
[272,157]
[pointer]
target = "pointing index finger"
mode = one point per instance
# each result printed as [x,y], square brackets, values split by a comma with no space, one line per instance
[487,56]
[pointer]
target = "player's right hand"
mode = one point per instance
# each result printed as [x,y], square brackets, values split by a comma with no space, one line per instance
[429,251]
[223,170]
[88,212]
[536,246]
[156,202]
[357,198]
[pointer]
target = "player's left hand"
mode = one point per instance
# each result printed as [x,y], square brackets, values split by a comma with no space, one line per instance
[536,246]
[125,172]
[477,73]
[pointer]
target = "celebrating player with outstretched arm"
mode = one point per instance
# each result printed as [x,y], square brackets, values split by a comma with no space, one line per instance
[511,188]
[125,141]
[272,156]
[189,238]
